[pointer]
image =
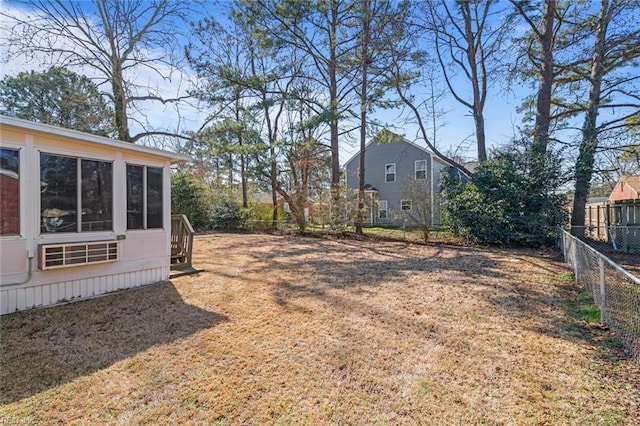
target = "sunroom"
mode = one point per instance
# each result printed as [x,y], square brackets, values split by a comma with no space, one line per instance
[80,215]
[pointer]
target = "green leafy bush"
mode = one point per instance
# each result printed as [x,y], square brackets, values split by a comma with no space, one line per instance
[507,201]
[190,197]
[226,214]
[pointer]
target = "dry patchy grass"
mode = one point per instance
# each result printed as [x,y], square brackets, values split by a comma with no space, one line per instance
[298,330]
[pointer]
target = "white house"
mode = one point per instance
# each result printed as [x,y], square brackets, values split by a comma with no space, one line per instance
[80,215]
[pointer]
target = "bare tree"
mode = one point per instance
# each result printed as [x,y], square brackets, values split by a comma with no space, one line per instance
[468,37]
[420,195]
[403,76]
[118,40]
[302,162]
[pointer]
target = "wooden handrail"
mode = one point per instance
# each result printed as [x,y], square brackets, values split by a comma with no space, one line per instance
[181,242]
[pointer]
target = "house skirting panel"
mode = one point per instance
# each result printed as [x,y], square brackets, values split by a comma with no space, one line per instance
[28,297]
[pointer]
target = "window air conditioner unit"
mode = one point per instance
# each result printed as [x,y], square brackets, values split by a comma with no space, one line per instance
[54,256]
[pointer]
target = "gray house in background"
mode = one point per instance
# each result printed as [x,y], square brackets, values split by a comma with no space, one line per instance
[400,178]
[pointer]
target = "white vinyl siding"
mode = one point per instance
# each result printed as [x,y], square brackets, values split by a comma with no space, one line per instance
[47,294]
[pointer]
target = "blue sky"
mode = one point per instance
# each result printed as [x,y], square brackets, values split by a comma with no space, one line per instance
[501,118]
[500,113]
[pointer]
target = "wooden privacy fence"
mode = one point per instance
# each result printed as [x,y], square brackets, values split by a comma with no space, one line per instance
[613,213]
[615,222]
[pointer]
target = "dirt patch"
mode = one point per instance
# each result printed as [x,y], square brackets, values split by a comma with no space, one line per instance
[298,330]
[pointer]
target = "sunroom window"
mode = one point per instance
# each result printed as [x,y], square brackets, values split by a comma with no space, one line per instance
[9,191]
[76,195]
[144,197]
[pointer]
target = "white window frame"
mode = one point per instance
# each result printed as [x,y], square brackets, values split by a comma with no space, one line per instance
[145,208]
[382,203]
[78,157]
[21,208]
[422,169]
[387,174]
[404,204]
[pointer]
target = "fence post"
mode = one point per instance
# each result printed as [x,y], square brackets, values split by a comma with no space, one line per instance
[603,295]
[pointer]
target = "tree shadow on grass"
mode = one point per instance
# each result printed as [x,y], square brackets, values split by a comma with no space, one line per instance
[44,348]
[520,285]
[491,275]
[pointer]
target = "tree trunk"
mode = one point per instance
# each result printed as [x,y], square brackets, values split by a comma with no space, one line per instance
[274,184]
[121,120]
[363,113]
[545,85]
[479,87]
[243,181]
[478,117]
[336,211]
[271,134]
[585,161]
[243,173]
[303,198]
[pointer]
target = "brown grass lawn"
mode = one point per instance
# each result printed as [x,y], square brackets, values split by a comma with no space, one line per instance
[300,330]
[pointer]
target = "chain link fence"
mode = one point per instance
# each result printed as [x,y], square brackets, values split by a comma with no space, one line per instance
[615,291]
[252,225]
[610,239]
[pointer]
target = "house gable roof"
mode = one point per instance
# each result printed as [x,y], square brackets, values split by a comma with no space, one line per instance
[90,138]
[633,182]
[625,188]
[401,139]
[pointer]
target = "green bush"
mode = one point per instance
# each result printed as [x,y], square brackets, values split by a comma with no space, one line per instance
[259,217]
[226,214]
[507,202]
[190,197]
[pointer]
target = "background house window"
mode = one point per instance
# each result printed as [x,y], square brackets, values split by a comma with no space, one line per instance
[66,206]
[383,209]
[390,172]
[405,205]
[421,169]
[9,191]
[144,197]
